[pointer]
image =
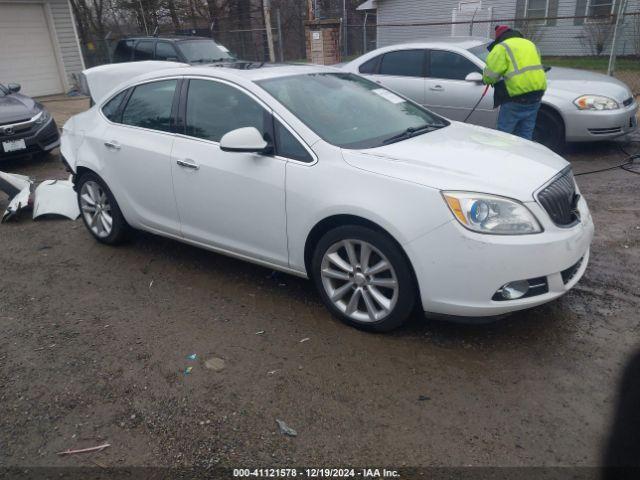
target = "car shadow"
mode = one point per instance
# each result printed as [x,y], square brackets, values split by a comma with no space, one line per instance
[545,324]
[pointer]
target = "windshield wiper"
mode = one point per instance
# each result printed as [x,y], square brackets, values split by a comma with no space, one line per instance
[412,132]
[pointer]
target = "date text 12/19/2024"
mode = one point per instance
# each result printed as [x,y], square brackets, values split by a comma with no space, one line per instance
[315,473]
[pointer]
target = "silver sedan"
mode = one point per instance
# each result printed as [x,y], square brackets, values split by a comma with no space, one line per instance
[444,75]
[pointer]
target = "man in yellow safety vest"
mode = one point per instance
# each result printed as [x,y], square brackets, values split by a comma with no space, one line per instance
[515,70]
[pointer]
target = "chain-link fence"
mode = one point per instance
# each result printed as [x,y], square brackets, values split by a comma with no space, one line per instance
[247,43]
[608,44]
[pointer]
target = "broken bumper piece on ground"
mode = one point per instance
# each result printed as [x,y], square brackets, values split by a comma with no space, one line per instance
[56,197]
[51,197]
[18,188]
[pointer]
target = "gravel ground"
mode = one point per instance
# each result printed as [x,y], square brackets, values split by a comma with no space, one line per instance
[94,342]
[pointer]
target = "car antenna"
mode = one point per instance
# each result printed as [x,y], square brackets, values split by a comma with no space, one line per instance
[155,31]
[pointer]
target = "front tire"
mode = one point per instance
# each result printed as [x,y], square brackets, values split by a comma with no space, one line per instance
[100,211]
[364,278]
[549,130]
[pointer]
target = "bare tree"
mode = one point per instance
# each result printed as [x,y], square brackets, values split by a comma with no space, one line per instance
[531,29]
[597,33]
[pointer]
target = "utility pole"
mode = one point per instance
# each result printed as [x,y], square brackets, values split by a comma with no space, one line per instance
[266,4]
[310,10]
[144,20]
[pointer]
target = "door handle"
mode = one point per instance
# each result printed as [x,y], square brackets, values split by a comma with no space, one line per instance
[112,145]
[188,163]
[437,88]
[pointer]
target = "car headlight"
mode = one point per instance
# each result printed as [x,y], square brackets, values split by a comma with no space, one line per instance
[43,117]
[491,214]
[595,102]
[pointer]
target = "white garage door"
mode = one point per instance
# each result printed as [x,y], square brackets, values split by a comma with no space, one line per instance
[26,51]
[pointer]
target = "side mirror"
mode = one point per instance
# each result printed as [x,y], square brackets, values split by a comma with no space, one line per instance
[246,139]
[474,77]
[14,87]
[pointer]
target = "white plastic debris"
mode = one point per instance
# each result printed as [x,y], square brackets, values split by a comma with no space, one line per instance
[286,429]
[56,197]
[18,188]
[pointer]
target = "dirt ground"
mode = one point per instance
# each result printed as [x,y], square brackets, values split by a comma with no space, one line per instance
[94,340]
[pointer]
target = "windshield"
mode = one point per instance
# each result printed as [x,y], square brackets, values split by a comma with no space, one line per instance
[349,111]
[203,51]
[480,51]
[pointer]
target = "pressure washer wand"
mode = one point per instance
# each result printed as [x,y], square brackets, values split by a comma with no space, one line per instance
[486,89]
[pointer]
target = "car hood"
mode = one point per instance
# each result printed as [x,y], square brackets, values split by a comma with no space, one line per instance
[581,82]
[464,157]
[16,108]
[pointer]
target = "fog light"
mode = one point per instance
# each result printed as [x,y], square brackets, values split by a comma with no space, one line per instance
[513,290]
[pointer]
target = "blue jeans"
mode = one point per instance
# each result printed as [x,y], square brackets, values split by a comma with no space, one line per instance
[518,118]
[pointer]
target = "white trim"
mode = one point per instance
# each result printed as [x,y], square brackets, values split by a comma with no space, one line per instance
[75,33]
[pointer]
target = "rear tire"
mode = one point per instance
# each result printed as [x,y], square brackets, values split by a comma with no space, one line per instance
[549,130]
[364,278]
[100,211]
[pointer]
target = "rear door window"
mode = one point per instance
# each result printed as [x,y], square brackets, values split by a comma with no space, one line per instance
[150,106]
[143,50]
[403,63]
[450,65]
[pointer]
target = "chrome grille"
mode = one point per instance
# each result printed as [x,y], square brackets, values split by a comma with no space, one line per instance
[559,199]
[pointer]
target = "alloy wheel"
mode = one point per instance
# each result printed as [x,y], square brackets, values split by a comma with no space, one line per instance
[359,280]
[96,209]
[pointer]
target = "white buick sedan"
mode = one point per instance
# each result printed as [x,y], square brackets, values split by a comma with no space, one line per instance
[387,206]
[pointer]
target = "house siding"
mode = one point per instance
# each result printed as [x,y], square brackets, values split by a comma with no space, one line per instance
[66,36]
[62,29]
[564,38]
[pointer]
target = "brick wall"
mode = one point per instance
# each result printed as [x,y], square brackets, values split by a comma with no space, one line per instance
[323,41]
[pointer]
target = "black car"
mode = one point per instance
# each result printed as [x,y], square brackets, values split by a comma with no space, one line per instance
[26,127]
[176,49]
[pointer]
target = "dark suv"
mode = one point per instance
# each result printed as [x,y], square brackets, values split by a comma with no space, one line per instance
[176,49]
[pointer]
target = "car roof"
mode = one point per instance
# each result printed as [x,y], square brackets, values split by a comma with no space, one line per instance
[252,72]
[461,42]
[171,38]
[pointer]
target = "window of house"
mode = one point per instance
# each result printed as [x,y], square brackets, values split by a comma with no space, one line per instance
[214,109]
[166,51]
[403,63]
[600,8]
[450,65]
[143,50]
[150,106]
[537,9]
[111,110]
